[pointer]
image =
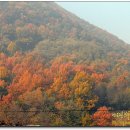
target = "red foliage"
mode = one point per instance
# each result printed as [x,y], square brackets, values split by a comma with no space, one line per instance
[102,117]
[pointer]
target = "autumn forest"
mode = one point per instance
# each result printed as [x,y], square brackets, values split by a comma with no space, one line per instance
[59,70]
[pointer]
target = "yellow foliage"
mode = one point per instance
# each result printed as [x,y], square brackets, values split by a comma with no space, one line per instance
[81,84]
[79,102]
[3,72]
[86,120]
[91,103]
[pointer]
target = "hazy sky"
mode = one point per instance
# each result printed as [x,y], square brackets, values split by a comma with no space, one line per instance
[111,16]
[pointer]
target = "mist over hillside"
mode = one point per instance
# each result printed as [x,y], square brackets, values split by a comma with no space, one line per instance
[57,69]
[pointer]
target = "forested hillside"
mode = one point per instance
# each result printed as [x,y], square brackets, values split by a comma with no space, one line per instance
[59,70]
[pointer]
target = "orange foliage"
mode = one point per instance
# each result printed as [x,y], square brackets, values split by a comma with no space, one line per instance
[102,117]
[98,77]
[59,105]
[2,83]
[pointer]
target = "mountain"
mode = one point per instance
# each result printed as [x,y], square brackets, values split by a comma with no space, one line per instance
[57,69]
[45,25]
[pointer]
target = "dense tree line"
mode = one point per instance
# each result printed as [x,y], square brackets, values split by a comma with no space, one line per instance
[58,70]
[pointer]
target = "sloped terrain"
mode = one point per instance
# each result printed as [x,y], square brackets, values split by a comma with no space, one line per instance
[57,69]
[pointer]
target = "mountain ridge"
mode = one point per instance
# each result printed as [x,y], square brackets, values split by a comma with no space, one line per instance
[30,23]
[57,69]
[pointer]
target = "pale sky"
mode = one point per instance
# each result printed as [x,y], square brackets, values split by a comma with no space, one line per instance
[111,16]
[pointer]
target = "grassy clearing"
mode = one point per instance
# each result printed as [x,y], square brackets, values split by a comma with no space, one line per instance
[121,118]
